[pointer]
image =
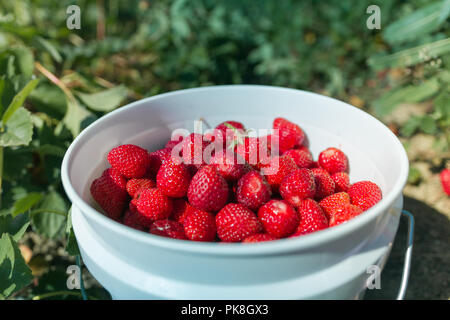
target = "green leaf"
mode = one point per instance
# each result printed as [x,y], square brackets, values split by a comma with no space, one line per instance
[77,118]
[47,45]
[445,11]
[14,272]
[411,56]
[48,149]
[71,241]
[19,129]
[24,60]
[414,176]
[420,22]
[18,100]
[50,100]
[26,203]
[442,104]
[389,101]
[49,223]
[410,127]
[428,125]
[106,100]
[14,226]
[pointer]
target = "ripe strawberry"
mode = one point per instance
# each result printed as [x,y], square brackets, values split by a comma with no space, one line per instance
[134,185]
[297,186]
[334,202]
[110,192]
[200,225]
[173,179]
[259,238]
[181,208]
[277,169]
[172,143]
[312,217]
[208,190]
[278,218]
[344,214]
[301,157]
[333,160]
[168,228]
[224,126]
[192,148]
[153,205]
[229,131]
[130,160]
[289,134]
[445,180]
[130,219]
[157,158]
[253,190]
[133,205]
[236,222]
[254,151]
[324,184]
[229,167]
[341,181]
[364,194]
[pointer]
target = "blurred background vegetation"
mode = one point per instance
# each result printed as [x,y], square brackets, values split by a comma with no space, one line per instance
[55,81]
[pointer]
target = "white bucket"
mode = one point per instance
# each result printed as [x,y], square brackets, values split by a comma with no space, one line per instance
[332,263]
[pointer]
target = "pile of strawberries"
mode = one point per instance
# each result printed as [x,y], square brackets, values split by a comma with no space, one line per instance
[223,199]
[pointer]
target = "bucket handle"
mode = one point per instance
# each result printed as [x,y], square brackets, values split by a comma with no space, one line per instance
[408,255]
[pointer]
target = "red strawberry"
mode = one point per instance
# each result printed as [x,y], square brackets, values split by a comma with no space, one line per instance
[156,159]
[110,192]
[130,160]
[278,218]
[333,160]
[297,186]
[133,204]
[181,209]
[200,225]
[153,205]
[253,190]
[445,180]
[289,134]
[254,151]
[324,183]
[130,219]
[312,217]
[235,223]
[208,190]
[168,228]
[173,179]
[277,169]
[230,167]
[334,202]
[341,181]
[344,214]
[192,148]
[224,126]
[259,238]
[134,185]
[172,143]
[229,131]
[364,194]
[301,157]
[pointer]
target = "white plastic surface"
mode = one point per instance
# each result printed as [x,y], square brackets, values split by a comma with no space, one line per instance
[326,264]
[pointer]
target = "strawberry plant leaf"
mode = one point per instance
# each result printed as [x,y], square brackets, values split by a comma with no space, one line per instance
[50,100]
[15,226]
[428,125]
[412,93]
[19,129]
[410,127]
[105,100]
[445,11]
[411,56]
[77,118]
[48,222]
[71,241]
[26,203]
[18,100]
[50,48]
[14,272]
[24,60]
[418,23]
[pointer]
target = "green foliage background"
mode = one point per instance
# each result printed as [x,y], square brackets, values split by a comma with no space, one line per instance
[55,81]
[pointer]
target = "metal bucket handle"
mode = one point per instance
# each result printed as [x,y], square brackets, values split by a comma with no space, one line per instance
[408,255]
